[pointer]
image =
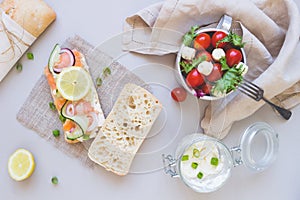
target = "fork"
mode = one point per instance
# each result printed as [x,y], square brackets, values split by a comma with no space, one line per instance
[257,93]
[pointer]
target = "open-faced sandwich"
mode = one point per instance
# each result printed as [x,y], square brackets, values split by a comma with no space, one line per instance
[125,129]
[74,94]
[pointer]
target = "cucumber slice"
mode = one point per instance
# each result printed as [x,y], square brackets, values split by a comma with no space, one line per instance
[75,134]
[80,120]
[54,57]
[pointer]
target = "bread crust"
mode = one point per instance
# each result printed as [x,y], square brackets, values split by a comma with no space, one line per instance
[33,15]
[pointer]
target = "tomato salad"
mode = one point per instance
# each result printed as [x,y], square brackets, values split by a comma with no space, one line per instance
[212,62]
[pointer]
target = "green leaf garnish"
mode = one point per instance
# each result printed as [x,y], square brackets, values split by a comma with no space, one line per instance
[185,158]
[52,106]
[187,67]
[214,161]
[194,165]
[234,39]
[231,79]
[189,36]
[56,133]
[224,64]
[54,180]
[30,56]
[200,175]
[196,153]
[19,67]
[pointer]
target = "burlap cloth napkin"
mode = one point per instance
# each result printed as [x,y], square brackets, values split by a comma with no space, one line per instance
[270,29]
[35,113]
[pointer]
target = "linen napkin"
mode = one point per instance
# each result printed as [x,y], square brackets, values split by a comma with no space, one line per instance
[270,29]
[35,113]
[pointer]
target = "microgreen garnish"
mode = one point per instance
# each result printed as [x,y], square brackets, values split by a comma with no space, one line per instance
[52,106]
[19,67]
[214,161]
[187,67]
[196,153]
[56,133]
[30,56]
[54,180]
[185,158]
[189,36]
[234,39]
[200,175]
[194,165]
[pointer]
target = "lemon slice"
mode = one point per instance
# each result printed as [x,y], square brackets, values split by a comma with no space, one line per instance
[21,165]
[73,83]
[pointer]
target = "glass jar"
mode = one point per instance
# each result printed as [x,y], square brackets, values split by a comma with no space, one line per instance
[204,163]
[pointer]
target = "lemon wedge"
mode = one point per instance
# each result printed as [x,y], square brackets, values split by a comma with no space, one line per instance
[73,83]
[21,165]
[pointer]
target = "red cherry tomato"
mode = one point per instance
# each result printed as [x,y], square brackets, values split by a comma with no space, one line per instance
[194,78]
[217,36]
[216,73]
[233,57]
[206,54]
[178,94]
[202,41]
[206,88]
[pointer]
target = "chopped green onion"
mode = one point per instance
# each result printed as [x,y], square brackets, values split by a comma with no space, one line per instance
[19,67]
[30,56]
[194,165]
[196,153]
[185,158]
[200,175]
[214,161]
[54,180]
[62,118]
[56,133]
[99,81]
[52,106]
[85,137]
[106,71]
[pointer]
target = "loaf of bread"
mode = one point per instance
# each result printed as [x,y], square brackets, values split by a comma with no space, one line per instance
[33,15]
[125,129]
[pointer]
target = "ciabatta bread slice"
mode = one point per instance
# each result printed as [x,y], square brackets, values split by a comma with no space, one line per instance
[125,129]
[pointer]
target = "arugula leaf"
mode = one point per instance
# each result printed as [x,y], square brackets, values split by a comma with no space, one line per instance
[230,80]
[234,39]
[187,67]
[189,36]
[224,64]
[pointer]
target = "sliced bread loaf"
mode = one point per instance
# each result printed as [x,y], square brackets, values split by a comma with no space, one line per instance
[125,129]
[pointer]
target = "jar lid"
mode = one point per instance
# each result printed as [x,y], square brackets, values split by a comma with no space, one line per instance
[259,146]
